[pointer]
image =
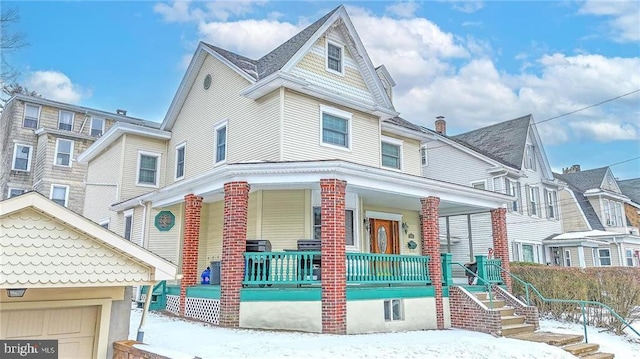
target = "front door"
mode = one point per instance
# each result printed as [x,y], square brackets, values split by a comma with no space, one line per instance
[385,236]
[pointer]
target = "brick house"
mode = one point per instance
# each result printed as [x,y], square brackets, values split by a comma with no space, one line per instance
[41,140]
[291,177]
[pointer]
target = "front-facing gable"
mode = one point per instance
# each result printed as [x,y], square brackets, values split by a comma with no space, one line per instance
[45,245]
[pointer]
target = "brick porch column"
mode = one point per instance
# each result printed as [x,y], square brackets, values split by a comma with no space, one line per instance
[501,241]
[333,269]
[431,248]
[192,207]
[234,243]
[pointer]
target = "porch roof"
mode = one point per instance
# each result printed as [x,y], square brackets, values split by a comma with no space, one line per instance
[376,185]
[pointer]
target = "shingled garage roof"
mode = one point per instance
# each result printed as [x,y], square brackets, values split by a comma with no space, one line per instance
[631,189]
[276,59]
[503,141]
[576,184]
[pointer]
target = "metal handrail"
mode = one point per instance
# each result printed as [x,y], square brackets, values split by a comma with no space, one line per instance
[488,285]
[582,303]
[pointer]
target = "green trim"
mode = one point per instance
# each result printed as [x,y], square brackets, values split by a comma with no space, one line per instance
[286,294]
[204,291]
[173,289]
[366,293]
[164,221]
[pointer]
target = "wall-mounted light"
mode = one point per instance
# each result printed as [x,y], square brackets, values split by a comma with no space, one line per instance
[366,224]
[405,227]
[16,292]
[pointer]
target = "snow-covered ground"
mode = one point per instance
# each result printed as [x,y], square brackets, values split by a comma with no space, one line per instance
[171,336]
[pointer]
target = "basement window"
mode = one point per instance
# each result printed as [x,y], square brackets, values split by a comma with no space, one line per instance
[393,310]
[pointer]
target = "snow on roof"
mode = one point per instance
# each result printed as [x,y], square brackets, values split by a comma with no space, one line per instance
[587,234]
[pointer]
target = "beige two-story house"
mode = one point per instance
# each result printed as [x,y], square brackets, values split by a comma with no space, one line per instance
[292,177]
[41,140]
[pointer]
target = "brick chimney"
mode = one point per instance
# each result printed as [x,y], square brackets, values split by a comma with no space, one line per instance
[572,169]
[441,125]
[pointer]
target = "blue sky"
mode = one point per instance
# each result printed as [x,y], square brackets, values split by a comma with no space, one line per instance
[474,62]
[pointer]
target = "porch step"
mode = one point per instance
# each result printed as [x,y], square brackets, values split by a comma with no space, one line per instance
[512,320]
[507,311]
[582,348]
[509,330]
[494,304]
[599,356]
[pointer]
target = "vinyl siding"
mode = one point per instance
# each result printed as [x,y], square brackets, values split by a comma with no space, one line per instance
[571,213]
[102,185]
[133,144]
[214,213]
[313,68]
[98,201]
[302,127]
[283,218]
[449,164]
[166,244]
[588,257]
[575,261]
[252,132]
[410,155]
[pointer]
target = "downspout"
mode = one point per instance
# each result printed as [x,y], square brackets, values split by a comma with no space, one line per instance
[144,224]
[145,310]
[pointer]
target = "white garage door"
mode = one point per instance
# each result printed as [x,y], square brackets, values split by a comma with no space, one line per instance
[74,328]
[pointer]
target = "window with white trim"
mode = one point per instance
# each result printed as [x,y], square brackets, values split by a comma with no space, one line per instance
[479,184]
[59,194]
[14,192]
[348,224]
[128,224]
[551,198]
[148,169]
[334,57]
[64,152]
[608,220]
[31,116]
[567,258]
[423,156]
[21,157]
[513,189]
[530,158]
[629,257]
[65,120]
[533,195]
[335,127]
[594,256]
[180,153]
[604,256]
[528,253]
[391,150]
[393,310]
[221,143]
[97,126]
[618,217]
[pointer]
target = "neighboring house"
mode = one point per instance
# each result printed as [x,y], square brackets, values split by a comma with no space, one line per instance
[293,146]
[596,232]
[41,140]
[507,157]
[631,189]
[64,278]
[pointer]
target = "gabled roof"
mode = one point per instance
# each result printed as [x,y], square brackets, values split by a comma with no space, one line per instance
[631,189]
[586,180]
[504,141]
[44,244]
[586,207]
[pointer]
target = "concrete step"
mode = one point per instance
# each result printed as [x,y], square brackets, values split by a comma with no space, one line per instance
[581,348]
[482,295]
[509,330]
[494,304]
[506,311]
[512,320]
[550,338]
[599,356]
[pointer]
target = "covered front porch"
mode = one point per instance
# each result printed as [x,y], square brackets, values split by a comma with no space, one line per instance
[377,264]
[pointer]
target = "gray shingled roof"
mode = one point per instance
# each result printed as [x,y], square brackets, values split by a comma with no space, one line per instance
[583,202]
[276,59]
[631,189]
[503,141]
[399,121]
[585,180]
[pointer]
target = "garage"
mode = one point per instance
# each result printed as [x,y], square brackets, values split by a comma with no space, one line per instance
[74,328]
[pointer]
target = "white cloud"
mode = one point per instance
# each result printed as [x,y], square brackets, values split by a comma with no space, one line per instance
[472,23]
[624,17]
[403,9]
[467,6]
[606,131]
[223,10]
[178,12]
[55,85]
[182,11]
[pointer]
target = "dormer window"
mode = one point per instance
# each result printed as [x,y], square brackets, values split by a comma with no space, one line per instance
[334,58]
[530,158]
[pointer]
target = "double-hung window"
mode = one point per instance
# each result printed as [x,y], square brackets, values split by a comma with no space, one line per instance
[567,258]
[31,116]
[335,127]
[180,153]
[618,210]
[65,120]
[21,157]
[533,196]
[551,198]
[391,153]
[221,143]
[530,158]
[128,224]
[513,189]
[423,156]
[605,257]
[59,194]
[334,57]
[629,256]
[348,223]
[148,169]
[608,217]
[64,152]
[97,126]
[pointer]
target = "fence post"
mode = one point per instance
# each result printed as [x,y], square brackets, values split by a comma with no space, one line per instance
[481,262]
[447,279]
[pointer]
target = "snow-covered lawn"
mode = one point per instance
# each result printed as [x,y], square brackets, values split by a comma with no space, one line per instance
[171,336]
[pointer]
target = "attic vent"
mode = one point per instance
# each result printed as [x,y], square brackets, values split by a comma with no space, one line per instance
[207,82]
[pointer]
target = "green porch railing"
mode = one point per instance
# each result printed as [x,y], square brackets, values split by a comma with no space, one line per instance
[488,269]
[530,289]
[158,296]
[268,268]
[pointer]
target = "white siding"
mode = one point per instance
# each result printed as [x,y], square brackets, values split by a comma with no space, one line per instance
[166,244]
[449,164]
[103,185]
